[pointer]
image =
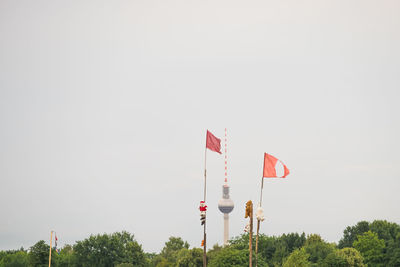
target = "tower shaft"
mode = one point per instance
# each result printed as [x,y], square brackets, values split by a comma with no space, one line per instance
[226,228]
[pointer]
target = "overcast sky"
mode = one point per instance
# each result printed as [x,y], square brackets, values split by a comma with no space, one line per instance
[104,107]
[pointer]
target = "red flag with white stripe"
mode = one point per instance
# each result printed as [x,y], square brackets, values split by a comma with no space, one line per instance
[270,163]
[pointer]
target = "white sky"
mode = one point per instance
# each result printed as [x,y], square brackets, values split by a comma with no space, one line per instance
[104,107]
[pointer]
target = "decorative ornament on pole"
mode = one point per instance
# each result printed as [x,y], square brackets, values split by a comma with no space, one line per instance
[260,214]
[203,209]
[249,209]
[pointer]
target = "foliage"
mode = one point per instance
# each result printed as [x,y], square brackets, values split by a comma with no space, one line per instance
[346,257]
[298,258]
[14,259]
[364,244]
[172,246]
[39,255]
[351,232]
[213,252]
[334,259]
[385,230]
[318,249]
[109,250]
[272,249]
[371,248]
[171,252]
[228,257]
[125,265]
[352,256]
[190,257]
[317,252]
[394,260]
[66,257]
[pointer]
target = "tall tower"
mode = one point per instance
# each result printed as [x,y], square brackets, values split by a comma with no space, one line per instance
[225,204]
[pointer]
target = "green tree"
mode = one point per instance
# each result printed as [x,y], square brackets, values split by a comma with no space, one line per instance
[230,257]
[150,258]
[108,250]
[66,257]
[345,257]
[385,230]
[39,255]
[389,232]
[125,265]
[271,248]
[352,256]
[351,232]
[298,258]
[190,257]
[213,252]
[15,259]
[394,259]
[318,249]
[173,245]
[169,253]
[334,259]
[371,248]
[393,249]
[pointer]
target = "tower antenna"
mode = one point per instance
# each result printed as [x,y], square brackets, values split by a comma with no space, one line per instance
[226,161]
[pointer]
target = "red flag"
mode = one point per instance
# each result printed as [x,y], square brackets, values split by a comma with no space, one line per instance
[213,143]
[270,164]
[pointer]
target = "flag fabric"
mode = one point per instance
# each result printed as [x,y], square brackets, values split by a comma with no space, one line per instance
[213,143]
[55,243]
[269,167]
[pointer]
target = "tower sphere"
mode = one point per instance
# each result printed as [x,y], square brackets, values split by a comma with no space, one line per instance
[225,204]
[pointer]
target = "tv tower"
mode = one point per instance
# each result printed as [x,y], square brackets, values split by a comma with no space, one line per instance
[225,204]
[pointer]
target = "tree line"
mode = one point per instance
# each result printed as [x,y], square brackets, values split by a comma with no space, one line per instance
[374,243]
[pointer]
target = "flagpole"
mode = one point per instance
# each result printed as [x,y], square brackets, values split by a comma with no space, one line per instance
[51,238]
[258,221]
[205,220]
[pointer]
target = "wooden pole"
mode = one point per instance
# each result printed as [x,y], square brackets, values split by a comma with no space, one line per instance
[258,229]
[262,186]
[205,220]
[251,238]
[51,238]
[258,221]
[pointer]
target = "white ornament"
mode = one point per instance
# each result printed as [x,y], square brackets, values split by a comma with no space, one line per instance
[260,214]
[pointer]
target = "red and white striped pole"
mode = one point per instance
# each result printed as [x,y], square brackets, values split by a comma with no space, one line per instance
[226,161]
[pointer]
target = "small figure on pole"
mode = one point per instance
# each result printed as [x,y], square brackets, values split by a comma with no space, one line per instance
[203,209]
